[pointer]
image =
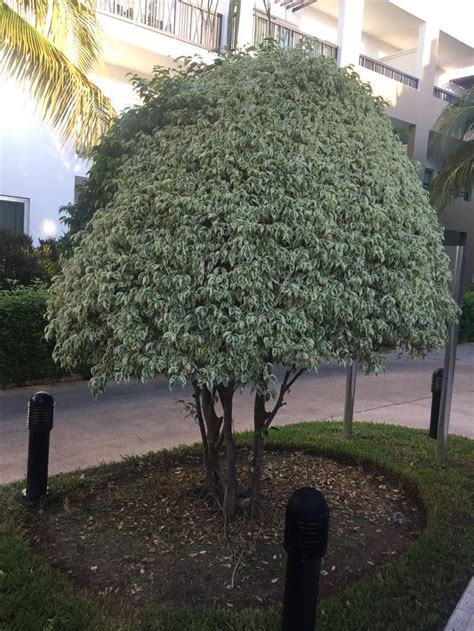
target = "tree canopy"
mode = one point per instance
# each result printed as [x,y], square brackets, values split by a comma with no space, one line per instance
[271,217]
[113,148]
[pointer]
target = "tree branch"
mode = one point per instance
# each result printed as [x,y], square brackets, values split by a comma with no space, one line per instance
[285,387]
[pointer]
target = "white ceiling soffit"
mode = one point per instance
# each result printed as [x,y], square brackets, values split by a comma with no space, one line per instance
[456,17]
[453,53]
[397,21]
[385,21]
[382,20]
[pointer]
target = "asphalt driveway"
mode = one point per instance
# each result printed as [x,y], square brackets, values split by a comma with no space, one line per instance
[135,418]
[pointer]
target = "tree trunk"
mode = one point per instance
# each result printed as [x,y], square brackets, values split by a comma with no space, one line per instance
[226,394]
[214,438]
[211,483]
[260,416]
[262,421]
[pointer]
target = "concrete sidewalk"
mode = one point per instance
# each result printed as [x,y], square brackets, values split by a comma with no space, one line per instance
[462,618]
[135,418]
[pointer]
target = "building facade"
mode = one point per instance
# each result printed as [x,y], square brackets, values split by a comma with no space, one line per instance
[416,54]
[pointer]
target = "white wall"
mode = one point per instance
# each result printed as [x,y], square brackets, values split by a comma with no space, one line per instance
[406,61]
[310,21]
[114,82]
[376,48]
[139,48]
[33,164]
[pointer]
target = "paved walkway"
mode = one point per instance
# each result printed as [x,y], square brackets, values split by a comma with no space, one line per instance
[135,418]
[462,618]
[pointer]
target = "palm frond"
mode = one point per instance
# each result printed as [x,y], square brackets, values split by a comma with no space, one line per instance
[455,123]
[64,95]
[455,177]
[70,25]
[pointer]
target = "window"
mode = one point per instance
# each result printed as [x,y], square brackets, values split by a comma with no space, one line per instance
[463,197]
[14,214]
[427,177]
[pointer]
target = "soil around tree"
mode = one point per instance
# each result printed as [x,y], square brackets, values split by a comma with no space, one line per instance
[146,536]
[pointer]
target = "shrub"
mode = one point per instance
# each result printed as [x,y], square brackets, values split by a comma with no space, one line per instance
[47,255]
[466,329]
[18,261]
[25,354]
[21,263]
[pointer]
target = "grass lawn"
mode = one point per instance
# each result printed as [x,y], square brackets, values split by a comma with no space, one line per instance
[416,590]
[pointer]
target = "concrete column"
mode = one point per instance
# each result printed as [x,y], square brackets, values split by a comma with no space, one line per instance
[246,26]
[427,55]
[349,31]
[427,59]
[223,9]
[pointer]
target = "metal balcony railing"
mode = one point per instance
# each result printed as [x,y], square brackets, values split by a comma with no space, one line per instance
[287,36]
[444,95]
[174,17]
[388,71]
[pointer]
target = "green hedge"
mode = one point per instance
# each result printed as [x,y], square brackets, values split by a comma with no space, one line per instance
[466,329]
[25,355]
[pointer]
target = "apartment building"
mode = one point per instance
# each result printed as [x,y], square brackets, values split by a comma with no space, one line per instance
[417,54]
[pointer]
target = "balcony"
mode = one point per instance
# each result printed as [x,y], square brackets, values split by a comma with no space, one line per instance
[285,35]
[388,71]
[444,95]
[174,18]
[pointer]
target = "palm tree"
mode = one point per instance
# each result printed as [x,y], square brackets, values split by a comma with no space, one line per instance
[48,47]
[454,143]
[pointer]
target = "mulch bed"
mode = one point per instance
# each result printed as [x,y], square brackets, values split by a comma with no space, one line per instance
[147,535]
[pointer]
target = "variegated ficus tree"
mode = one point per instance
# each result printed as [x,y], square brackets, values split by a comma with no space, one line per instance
[270,218]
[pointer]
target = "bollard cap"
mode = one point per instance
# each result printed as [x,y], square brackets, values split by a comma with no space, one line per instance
[41,412]
[42,399]
[437,380]
[307,524]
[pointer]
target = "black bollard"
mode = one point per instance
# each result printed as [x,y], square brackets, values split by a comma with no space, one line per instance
[39,423]
[436,386]
[306,541]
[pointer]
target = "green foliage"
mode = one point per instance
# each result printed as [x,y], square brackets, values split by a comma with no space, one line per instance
[21,263]
[98,190]
[47,254]
[417,590]
[454,143]
[17,260]
[25,354]
[271,217]
[466,325]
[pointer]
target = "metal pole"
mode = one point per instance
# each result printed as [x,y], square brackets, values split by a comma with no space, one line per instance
[306,540]
[349,400]
[450,358]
